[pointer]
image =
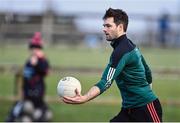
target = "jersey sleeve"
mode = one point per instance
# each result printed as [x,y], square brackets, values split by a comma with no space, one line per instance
[112,70]
[147,70]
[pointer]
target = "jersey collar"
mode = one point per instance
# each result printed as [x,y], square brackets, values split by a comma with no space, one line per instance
[116,41]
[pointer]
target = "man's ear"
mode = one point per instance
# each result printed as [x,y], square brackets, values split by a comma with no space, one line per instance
[120,27]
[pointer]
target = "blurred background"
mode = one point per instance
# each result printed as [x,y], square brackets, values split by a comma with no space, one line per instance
[75,46]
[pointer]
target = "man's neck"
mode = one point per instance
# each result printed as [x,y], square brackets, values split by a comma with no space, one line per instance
[123,33]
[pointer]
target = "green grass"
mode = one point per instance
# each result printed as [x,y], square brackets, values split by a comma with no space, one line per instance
[85,112]
[162,58]
[165,86]
[91,112]
[84,57]
[7,84]
[58,56]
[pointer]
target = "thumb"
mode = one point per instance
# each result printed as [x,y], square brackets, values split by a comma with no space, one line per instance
[77,92]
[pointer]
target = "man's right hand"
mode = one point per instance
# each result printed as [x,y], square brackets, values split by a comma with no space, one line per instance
[77,99]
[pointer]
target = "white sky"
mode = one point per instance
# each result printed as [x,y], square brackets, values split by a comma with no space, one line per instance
[75,6]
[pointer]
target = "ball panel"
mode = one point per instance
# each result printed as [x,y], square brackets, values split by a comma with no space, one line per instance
[67,86]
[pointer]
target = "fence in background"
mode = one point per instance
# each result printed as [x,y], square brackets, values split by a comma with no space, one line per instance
[16,28]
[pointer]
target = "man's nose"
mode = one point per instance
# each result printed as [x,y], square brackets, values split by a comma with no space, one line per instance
[104,30]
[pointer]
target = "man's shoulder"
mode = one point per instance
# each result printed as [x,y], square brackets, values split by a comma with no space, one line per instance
[123,48]
[119,52]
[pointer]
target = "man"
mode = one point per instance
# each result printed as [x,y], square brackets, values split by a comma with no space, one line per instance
[130,71]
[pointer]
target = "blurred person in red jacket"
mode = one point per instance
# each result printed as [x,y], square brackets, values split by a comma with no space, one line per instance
[33,86]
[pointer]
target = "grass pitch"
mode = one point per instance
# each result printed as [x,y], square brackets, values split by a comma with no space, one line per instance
[103,108]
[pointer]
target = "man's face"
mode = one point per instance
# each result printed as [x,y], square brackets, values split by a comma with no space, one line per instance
[111,30]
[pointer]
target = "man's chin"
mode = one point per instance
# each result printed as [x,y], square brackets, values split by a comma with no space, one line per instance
[108,39]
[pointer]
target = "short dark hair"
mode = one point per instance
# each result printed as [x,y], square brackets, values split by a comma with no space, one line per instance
[120,17]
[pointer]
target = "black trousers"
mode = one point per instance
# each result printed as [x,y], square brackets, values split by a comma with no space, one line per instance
[152,112]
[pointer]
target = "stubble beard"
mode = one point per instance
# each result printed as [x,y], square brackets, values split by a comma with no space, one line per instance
[109,39]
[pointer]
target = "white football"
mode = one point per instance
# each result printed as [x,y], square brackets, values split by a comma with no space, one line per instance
[67,85]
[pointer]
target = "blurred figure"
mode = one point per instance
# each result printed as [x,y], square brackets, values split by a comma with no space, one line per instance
[164,29]
[32,106]
[91,41]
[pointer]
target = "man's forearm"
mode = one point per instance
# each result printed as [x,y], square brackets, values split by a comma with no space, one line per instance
[92,93]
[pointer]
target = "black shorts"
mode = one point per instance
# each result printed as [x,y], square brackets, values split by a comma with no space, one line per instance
[152,112]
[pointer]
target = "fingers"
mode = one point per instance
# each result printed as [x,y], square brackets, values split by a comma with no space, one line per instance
[67,101]
[77,99]
[67,98]
[70,100]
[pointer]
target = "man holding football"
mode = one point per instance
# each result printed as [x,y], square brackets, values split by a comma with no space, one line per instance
[130,71]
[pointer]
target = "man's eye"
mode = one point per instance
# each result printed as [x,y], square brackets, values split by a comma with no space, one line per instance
[107,25]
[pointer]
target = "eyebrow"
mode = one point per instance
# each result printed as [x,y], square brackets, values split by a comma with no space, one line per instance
[106,24]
